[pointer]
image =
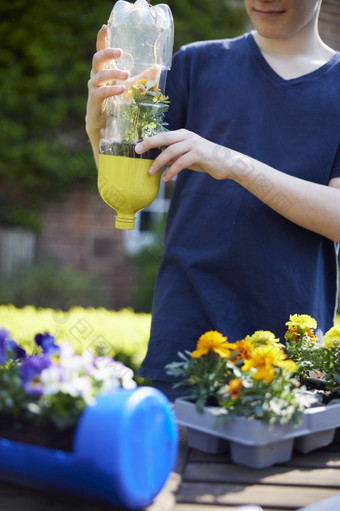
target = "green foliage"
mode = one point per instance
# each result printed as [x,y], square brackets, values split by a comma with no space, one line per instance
[306,358]
[146,111]
[45,60]
[12,395]
[203,376]
[277,401]
[209,380]
[197,20]
[50,285]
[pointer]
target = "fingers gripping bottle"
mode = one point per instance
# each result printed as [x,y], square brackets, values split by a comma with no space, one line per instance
[145,34]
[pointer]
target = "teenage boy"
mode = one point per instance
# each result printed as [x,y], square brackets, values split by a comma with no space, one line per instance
[254,223]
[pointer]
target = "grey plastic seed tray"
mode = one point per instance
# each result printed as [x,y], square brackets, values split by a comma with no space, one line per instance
[254,443]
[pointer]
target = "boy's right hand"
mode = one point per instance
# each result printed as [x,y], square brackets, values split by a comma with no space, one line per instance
[101,85]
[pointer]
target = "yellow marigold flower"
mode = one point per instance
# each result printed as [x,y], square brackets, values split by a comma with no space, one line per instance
[264,359]
[265,372]
[332,337]
[213,341]
[301,321]
[262,337]
[234,388]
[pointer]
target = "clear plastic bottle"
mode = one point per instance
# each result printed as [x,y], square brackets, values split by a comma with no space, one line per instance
[145,34]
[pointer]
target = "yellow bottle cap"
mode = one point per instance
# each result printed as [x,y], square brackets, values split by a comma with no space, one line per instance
[126,222]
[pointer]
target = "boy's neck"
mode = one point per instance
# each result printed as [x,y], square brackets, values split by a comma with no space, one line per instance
[295,56]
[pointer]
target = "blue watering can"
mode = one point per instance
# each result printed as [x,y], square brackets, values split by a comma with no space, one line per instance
[124,448]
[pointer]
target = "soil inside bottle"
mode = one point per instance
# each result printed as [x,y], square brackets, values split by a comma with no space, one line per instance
[128,150]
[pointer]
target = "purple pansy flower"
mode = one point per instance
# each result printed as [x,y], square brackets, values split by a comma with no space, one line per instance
[14,349]
[47,343]
[9,348]
[31,370]
[4,336]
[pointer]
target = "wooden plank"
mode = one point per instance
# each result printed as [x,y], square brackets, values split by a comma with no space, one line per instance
[22,504]
[263,495]
[166,499]
[19,498]
[203,507]
[220,473]
[210,507]
[316,459]
[329,454]
[183,450]
[195,455]
[335,446]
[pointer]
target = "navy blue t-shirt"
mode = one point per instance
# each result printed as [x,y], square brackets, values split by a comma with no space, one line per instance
[231,263]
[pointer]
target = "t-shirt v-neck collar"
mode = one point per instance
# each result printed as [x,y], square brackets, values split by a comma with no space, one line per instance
[276,77]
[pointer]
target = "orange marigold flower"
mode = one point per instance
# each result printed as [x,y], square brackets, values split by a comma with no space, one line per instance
[234,388]
[310,335]
[244,347]
[213,341]
[295,335]
[144,86]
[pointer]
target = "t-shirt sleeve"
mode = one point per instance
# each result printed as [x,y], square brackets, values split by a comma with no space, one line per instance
[177,90]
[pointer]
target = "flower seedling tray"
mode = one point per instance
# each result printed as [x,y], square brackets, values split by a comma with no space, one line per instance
[322,422]
[252,442]
[124,449]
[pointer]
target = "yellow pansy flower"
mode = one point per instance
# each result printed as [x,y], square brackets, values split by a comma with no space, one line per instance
[332,337]
[213,341]
[264,359]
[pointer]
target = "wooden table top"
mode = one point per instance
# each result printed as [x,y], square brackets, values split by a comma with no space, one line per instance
[205,482]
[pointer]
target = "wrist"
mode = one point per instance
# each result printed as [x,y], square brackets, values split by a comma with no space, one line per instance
[93,134]
[231,164]
[240,167]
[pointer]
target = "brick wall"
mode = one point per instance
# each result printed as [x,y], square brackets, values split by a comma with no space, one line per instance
[78,231]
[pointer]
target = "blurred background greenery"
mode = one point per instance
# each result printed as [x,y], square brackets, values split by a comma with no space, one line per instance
[45,58]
